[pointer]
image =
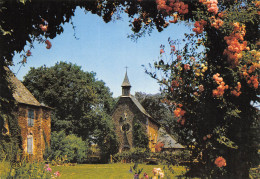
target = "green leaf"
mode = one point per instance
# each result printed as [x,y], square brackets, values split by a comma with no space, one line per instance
[24,1]
[227,142]
[234,113]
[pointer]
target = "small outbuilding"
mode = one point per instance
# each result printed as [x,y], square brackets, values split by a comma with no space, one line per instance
[34,120]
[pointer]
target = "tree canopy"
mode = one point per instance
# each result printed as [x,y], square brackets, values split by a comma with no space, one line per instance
[74,94]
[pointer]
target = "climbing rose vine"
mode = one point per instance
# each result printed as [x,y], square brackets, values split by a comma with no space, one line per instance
[212,86]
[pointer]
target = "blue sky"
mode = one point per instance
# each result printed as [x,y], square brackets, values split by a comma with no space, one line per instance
[105,49]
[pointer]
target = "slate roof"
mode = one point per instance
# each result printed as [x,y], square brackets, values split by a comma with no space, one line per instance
[126,81]
[139,106]
[21,93]
[168,140]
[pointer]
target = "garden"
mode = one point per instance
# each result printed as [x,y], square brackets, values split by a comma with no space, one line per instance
[209,91]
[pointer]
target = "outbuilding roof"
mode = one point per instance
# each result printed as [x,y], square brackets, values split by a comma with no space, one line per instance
[168,140]
[21,93]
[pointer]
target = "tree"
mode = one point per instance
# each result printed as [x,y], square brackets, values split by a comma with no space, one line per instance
[104,136]
[67,89]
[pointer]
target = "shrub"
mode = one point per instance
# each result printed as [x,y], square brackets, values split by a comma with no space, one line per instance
[133,155]
[29,170]
[10,147]
[173,158]
[67,148]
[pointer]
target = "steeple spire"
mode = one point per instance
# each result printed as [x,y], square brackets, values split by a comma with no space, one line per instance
[126,81]
[126,85]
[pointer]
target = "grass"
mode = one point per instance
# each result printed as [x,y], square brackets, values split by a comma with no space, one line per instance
[108,171]
[100,171]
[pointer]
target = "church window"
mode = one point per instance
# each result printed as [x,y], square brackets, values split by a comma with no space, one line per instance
[30,144]
[126,127]
[30,117]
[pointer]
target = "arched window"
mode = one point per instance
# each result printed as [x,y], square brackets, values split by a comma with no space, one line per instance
[126,127]
[30,144]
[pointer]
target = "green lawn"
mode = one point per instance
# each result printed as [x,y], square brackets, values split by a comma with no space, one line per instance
[107,171]
[96,171]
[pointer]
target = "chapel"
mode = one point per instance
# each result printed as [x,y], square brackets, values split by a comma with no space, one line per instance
[128,110]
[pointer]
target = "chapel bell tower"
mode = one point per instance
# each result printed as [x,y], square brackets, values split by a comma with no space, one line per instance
[126,86]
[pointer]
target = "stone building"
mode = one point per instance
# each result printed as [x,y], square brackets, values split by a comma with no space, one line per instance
[34,120]
[128,110]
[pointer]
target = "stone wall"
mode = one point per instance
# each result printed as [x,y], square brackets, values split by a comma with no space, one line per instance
[36,131]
